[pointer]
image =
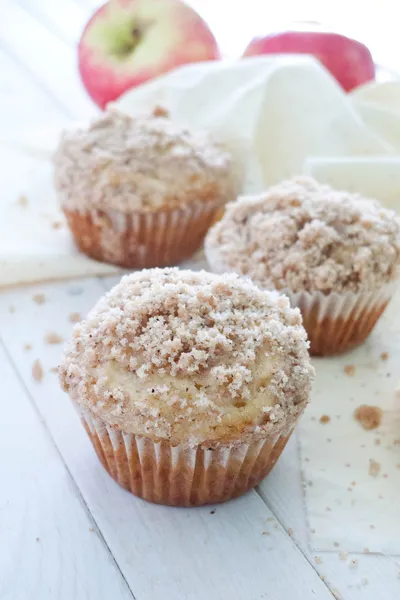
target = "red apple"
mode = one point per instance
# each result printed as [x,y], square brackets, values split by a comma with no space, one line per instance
[128,42]
[349,61]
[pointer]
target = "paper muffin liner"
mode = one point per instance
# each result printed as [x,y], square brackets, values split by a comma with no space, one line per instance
[180,475]
[337,322]
[143,240]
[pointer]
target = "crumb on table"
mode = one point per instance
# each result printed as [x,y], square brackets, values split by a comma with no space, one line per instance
[74,317]
[325,419]
[374,468]
[22,200]
[368,416]
[37,371]
[39,298]
[384,355]
[350,370]
[53,338]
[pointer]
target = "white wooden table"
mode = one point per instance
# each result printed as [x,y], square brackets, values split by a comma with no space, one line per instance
[67,531]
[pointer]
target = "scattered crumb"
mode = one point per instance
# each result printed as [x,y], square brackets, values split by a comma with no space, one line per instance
[323,577]
[38,539]
[265,532]
[350,370]
[27,347]
[377,442]
[22,200]
[398,466]
[336,544]
[53,370]
[11,309]
[366,550]
[343,555]
[318,560]
[53,338]
[384,356]
[56,225]
[325,419]
[385,475]
[91,529]
[160,111]
[354,483]
[212,512]
[74,317]
[37,371]
[374,468]
[39,298]
[336,595]
[369,417]
[353,563]
[290,532]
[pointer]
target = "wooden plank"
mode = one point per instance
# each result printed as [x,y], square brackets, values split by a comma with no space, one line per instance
[50,547]
[373,576]
[50,61]
[164,553]
[64,19]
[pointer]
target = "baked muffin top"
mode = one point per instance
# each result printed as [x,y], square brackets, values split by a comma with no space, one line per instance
[140,163]
[190,357]
[301,235]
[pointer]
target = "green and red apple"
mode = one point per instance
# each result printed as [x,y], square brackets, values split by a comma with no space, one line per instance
[128,42]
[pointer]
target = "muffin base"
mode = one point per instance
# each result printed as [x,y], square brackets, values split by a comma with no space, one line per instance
[179,475]
[143,240]
[336,323]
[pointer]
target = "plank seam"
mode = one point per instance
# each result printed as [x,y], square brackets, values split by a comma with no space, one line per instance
[53,442]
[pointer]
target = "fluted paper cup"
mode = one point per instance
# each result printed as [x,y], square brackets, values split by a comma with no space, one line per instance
[337,322]
[181,475]
[143,240]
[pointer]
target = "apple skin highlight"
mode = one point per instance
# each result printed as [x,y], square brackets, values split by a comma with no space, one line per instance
[129,42]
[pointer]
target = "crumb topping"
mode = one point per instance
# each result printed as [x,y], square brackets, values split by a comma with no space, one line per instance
[140,163]
[305,236]
[191,356]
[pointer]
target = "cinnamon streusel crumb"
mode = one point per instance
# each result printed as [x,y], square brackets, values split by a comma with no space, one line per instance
[369,417]
[181,354]
[305,236]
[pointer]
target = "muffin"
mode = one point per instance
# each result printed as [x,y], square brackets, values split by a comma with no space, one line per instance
[141,191]
[335,254]
[189,384]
